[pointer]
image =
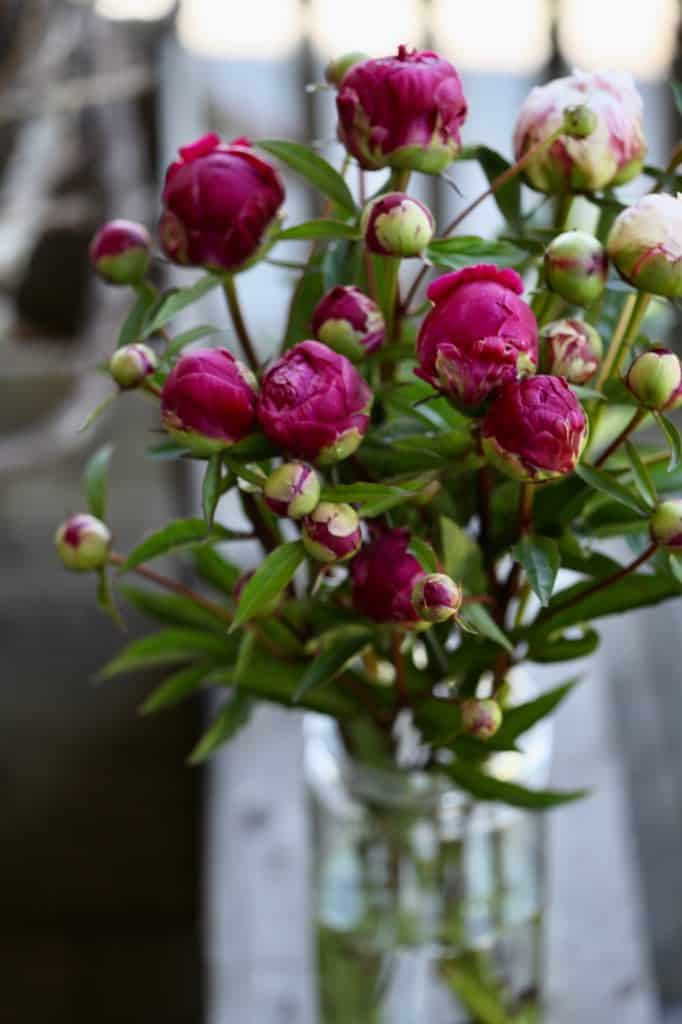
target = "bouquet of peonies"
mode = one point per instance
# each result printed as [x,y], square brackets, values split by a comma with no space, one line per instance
[416,469]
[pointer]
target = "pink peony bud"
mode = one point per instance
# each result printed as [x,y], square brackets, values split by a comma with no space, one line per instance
[645,244]
[436,597]
[130,365]
[403,111]
[292,490]
[350,322]
[571,349]
[576,267]
[395,224]
[535,429]
[654,378]
[83,543]
[384,575]
[479,334]
[665,525]
[209,401]
[120,252]
[337,69]
[314,404]
[221,205]
[331,533]
[611,154]
[481,718]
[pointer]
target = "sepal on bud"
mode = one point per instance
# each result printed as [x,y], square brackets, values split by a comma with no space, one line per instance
[396,224]
[83,543]
[331,533]
[576,267]
[654,378]
[665,525]
[130,365]
[436,597]
[336,69]
[293,490]
[481,718]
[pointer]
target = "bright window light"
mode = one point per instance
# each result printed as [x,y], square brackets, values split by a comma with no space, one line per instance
[493,35]
[378,28]
[253,29]
[130,10]
[619,35]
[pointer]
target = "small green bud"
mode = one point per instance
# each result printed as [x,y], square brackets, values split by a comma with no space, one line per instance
[83,543]
[436,597]
[396,224]
[131,364]
[654,378]
[665,525]
[576,267]
[331,533]
[579,122]
[481,718]
[292,490]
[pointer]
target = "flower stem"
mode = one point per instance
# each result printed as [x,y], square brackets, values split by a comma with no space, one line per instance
[614,347]
[175,587]
[616,577]
[398,658]
[230,290]
[526,508]
[638,312]
[623,436]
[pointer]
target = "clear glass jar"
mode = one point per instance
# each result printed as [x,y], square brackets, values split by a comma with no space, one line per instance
[427,905]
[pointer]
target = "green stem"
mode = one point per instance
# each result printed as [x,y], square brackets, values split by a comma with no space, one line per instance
[175,587]
[623,436]
[239,324]
[638,314]
[614,347]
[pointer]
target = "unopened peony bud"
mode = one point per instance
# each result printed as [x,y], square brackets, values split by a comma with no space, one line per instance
[611,153]
[209,401]
[336,69]
[404,111]
[120,252]
[436,597]
[571,349]
[645,244]
[292,489]
[576,267]
[535,429]
[654,378]
[349,322]
[481,718]
[83,543]
[665,525]
[384,575]
[331,533]
[395,224]
[131,364]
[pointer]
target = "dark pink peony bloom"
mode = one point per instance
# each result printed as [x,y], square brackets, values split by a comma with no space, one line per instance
[221,205]
[384,575]
[535,429]
[404,111]
[209,400]
[349,322]
[479,335]
[314,404]
[120,252]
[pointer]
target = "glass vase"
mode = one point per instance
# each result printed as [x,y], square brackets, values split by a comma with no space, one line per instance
[427,905]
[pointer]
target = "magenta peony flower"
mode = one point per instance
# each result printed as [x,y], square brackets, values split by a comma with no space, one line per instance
[120,252]
[535,429]
[403,111]
[314,404]
[645,244]
[611,154]
[349,322]
[395,224]
[384,575]
[83,543]
[209,401]
[221,205]
[331,533]
[571,349]
[479,334]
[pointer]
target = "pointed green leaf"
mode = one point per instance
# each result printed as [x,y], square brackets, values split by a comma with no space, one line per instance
[176,688]
[486,787]
[676,566]
[468,250]
[173,609]
[330,662]
[462,558]
[177,299]
[106,599]
[480,620]
[424,554]
[179,533]
[313,230]
[96,471]
[541,561]
[271,577]
[164,648]
[211,489]
[519,719]
[131,331]
[97,412]
[607,484]
[180,341]
[677,95]
[166,450]
[641,476]
[233,715]
[637,590]
[215,569]
[558,647]
[314,168]
[672,436]
[508,198]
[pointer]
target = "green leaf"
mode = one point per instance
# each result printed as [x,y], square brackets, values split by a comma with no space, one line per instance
[131,331]
[269,580]
[179,533]
[362,492]
[164,648]
[424,554]
[480,996]
[313,230]
[558,647]
[307,294]
[508,198]
[541,560]
[166,450]
[247,647]
[177,299]
[671,434]
[215,569]
[637,590]
[172,609]
[180,341]
[95,476]
[675,562]
[106,600]
[233,715]
[330,662]
[677,95]
[468,250]
[97,412]
[314,169]
[486,787]
[176,688]
[607,484]
[518,720]
[480,620]
[462,558]
[211,488]
[642,476]
[255,448]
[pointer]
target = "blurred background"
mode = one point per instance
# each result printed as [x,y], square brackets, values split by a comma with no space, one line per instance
[113,853]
